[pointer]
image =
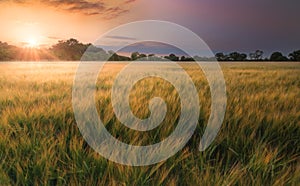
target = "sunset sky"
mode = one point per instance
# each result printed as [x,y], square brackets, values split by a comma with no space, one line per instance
[238,25]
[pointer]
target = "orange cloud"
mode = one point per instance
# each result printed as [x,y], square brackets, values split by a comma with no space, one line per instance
[104,8]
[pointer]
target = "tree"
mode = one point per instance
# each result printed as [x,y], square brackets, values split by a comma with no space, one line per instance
[8,52]
[257,55]
[94,53]
[143,57]
[235,56]
[69,50]
[295,56]
[152,57]
[221,57]
[113,56]
[95,49]
[182,58]
[243,57]
[277,56]
[172,57]
[186,58]
[135,56]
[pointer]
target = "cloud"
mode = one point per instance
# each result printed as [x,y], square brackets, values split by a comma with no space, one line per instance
[83,6]
[129,1]
[121,38]
[54,37]
[104,8]
[113,12]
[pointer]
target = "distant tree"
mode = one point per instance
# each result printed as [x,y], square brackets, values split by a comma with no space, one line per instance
[186,58]
[115,57]
[94,53]
[235,56]
[152,57]
[243,57]
[8,52]
[198,58]
[143,57]
[111,52]
[182,58]
[135,56]
[95,49]
[295,56]
[221,56]
[189,59]
[172,57]
[69,50]
[257,55]
[278,56]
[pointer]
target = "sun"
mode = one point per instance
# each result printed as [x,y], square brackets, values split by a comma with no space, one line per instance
[32,43]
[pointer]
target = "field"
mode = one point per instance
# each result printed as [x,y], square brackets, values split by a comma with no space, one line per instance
[258,143]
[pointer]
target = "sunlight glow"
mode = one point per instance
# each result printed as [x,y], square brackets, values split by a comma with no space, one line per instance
[32,43]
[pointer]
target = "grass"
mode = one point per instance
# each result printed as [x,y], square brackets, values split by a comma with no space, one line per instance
[258,143]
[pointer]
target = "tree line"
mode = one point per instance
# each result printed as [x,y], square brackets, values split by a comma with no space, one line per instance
[73,50]
[258,56]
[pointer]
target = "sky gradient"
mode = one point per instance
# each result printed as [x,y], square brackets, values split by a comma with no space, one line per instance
[231,25]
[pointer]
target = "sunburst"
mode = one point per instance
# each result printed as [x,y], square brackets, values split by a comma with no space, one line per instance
[32,43]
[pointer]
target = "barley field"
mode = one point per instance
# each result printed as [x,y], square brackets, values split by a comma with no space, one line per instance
[258,144]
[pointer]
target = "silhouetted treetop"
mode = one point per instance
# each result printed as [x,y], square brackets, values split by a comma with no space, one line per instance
[295,56]
[278,56]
